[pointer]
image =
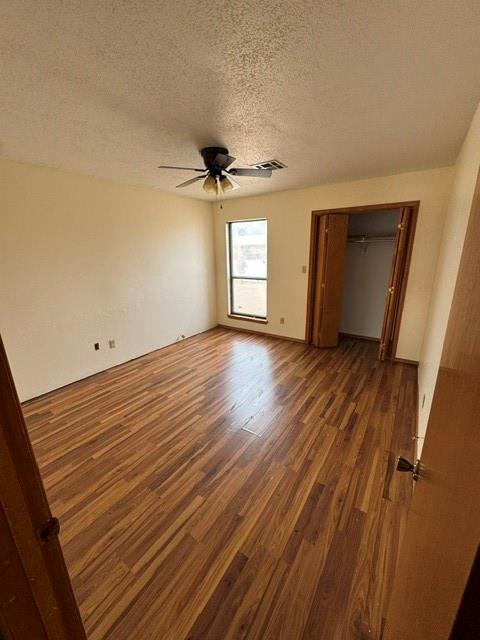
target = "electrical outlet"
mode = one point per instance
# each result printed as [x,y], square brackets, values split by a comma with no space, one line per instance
[282,320]
[96,346]
[111,344]
[304,268]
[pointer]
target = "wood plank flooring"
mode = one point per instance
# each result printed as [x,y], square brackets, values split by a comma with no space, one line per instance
[231,486]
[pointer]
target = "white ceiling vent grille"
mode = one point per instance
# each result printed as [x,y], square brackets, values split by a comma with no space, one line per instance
[269,164]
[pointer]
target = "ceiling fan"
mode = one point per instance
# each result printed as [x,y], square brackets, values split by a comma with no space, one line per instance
[217,177]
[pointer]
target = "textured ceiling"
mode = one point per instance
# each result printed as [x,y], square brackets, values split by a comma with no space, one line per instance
[336,89]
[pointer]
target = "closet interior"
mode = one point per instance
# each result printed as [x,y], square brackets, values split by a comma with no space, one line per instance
[369,252]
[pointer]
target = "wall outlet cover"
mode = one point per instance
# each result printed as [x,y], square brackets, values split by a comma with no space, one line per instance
[111,344]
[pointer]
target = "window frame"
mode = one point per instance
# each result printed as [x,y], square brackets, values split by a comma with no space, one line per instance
[231,277]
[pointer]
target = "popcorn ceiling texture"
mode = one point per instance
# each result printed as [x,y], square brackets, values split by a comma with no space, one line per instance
[336,90]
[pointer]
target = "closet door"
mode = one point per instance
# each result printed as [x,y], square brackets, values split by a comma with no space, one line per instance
[392,295]
[330,267]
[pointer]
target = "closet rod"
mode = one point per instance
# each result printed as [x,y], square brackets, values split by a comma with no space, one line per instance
[364,239]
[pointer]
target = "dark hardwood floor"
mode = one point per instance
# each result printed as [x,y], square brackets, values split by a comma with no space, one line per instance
[231,486]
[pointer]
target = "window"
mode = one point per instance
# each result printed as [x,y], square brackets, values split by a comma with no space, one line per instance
[247,252]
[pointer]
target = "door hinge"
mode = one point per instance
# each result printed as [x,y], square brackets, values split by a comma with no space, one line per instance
[50,530]
[405,465]
[401,226]
[391,290]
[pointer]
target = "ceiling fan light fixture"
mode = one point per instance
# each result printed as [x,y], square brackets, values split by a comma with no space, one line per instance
[226,184]
[210,185]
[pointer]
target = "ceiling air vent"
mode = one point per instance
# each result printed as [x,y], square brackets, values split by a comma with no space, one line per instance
[269,164]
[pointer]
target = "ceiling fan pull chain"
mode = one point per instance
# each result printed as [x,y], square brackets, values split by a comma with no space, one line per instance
[219,193]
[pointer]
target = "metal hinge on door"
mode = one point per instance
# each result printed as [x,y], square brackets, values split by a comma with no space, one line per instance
[50,530]
[406,466]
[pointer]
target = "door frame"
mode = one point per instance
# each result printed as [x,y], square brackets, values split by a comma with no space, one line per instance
[399,278]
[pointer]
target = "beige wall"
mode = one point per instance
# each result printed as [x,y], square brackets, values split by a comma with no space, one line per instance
[288,215]
[84,260]
[458,211]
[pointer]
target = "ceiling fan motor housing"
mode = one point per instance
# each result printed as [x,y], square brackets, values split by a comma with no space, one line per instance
[209,155]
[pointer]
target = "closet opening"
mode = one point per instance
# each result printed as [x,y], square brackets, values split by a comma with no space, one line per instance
[359,262]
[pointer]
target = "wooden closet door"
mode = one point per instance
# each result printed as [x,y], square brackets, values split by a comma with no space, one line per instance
[391,299]
[330,269]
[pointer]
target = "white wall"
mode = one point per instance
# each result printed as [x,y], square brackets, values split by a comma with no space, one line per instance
[458,212]
[365,285]
[84,260]
[288,214]
[367,274]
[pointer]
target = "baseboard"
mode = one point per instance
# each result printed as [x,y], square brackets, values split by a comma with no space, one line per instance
[357,337]
[414,363]
[261,333]
[114,366]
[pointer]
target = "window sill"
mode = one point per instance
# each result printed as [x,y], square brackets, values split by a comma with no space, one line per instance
[247,318]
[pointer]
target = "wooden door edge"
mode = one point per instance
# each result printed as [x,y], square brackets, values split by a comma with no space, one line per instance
[312,263]
[403,280]
[26,509]
[392,292]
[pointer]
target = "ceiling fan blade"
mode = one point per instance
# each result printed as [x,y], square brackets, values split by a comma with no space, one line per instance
[254,173]
[191,181]
[223,161]
[166,166]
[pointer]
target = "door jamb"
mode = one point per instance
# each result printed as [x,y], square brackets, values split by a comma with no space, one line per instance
[400,284]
